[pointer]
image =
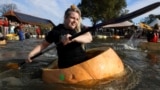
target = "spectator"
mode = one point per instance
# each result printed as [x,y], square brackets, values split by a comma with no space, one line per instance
[5,27]
[27,34]
[38,32]
[21,34]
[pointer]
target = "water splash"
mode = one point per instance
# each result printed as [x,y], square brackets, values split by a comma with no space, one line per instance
[133,42]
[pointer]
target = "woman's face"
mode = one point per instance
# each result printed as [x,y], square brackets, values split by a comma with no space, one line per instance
[72,20]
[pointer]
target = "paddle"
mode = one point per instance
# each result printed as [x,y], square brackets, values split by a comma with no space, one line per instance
[117,20]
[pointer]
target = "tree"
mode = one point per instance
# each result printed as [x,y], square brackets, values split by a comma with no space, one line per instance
[150,18]
[6,7]
[157,16]
[99,11]
[156,26]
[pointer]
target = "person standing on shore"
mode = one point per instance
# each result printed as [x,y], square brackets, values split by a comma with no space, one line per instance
[5,27]
[21,34]
[38,31]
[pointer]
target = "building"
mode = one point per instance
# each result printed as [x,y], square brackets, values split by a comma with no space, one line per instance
[27,19]
[30,22]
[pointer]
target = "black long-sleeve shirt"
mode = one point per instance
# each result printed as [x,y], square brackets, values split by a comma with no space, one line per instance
[70,54]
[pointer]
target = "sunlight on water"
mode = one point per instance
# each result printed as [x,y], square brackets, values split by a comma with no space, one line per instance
[19,79]
[143,67]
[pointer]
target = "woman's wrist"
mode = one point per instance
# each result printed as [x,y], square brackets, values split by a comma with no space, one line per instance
[73,40]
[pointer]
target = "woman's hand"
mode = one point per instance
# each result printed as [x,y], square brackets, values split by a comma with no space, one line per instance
[65,39]
[36,50]
[29,60]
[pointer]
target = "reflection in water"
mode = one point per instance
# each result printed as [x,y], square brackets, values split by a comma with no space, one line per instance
[153,58]
[142,68]
[22,79]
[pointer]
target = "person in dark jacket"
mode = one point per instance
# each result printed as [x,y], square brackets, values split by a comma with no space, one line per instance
[70,52]
[152,36]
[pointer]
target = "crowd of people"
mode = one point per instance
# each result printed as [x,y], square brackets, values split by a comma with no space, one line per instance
[24,31]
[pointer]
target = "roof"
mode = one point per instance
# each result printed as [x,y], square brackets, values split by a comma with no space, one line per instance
[156,21]
[24,18]
[121,24]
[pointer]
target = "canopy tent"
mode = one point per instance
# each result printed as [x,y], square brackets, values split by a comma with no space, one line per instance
[153,23]
[122,24]
[144,26]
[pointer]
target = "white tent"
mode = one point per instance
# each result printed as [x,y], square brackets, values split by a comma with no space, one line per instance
[153,23]
[122,24]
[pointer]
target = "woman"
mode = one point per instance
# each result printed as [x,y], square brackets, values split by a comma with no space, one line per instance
[70,52]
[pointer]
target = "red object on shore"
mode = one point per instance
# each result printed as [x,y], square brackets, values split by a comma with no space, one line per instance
[1,22]
[155,38]
[38,31]
[5,23]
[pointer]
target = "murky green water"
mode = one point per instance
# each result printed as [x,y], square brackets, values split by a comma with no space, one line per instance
[142,66]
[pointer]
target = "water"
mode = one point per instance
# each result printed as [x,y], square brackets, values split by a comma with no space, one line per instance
[142,66]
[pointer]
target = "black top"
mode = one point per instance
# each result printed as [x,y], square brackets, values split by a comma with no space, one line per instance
[69,54]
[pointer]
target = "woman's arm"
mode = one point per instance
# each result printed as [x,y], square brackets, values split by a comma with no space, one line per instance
[36,50]
[84,38]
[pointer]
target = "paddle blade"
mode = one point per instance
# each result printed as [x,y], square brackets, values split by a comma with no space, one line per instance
[12,65]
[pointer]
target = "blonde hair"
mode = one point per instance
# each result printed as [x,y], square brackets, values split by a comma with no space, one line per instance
[73,8]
